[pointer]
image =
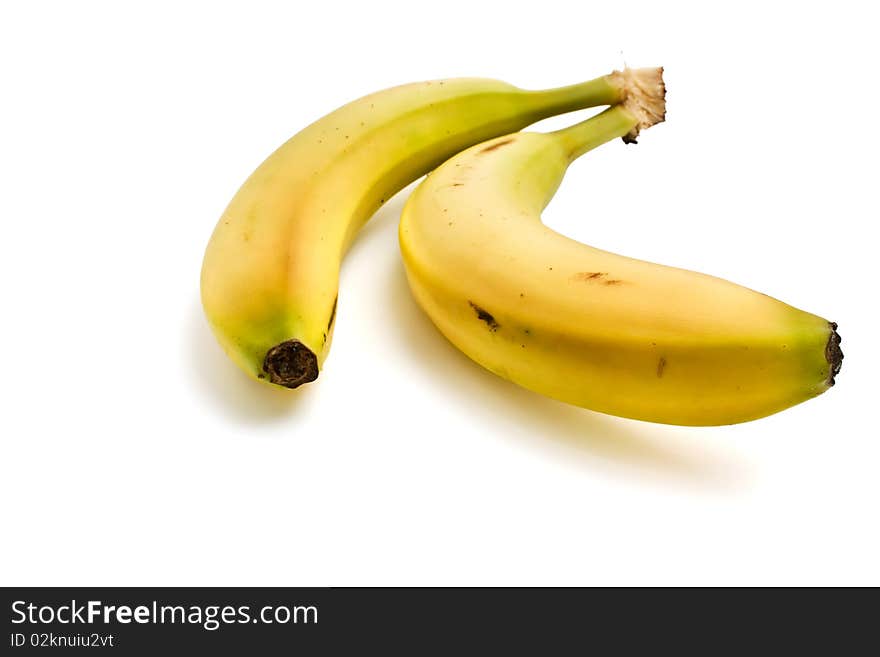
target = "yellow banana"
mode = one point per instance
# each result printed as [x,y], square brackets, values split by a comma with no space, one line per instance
[599,330]
[270,273]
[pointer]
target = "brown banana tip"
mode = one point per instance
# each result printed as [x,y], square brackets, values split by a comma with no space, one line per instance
[833,354]
[291,364]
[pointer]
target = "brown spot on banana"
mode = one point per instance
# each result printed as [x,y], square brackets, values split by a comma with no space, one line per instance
[332,313]
[496,145]
[595,277]
[588,276]
[485,316]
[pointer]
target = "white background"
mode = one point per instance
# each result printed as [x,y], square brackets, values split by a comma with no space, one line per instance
[134,453]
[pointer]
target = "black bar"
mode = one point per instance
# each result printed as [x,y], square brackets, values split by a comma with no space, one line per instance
[268,621]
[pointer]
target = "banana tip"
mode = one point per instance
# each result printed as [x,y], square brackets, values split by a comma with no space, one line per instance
[290,364]
[833,354]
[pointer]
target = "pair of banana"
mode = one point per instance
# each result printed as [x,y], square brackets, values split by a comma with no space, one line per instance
[592,328]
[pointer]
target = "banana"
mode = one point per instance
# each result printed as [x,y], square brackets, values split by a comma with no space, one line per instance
[592,328]
[271,269]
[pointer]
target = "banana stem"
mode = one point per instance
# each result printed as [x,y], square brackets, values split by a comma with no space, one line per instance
[606,90]
[642,104]
[581,137]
